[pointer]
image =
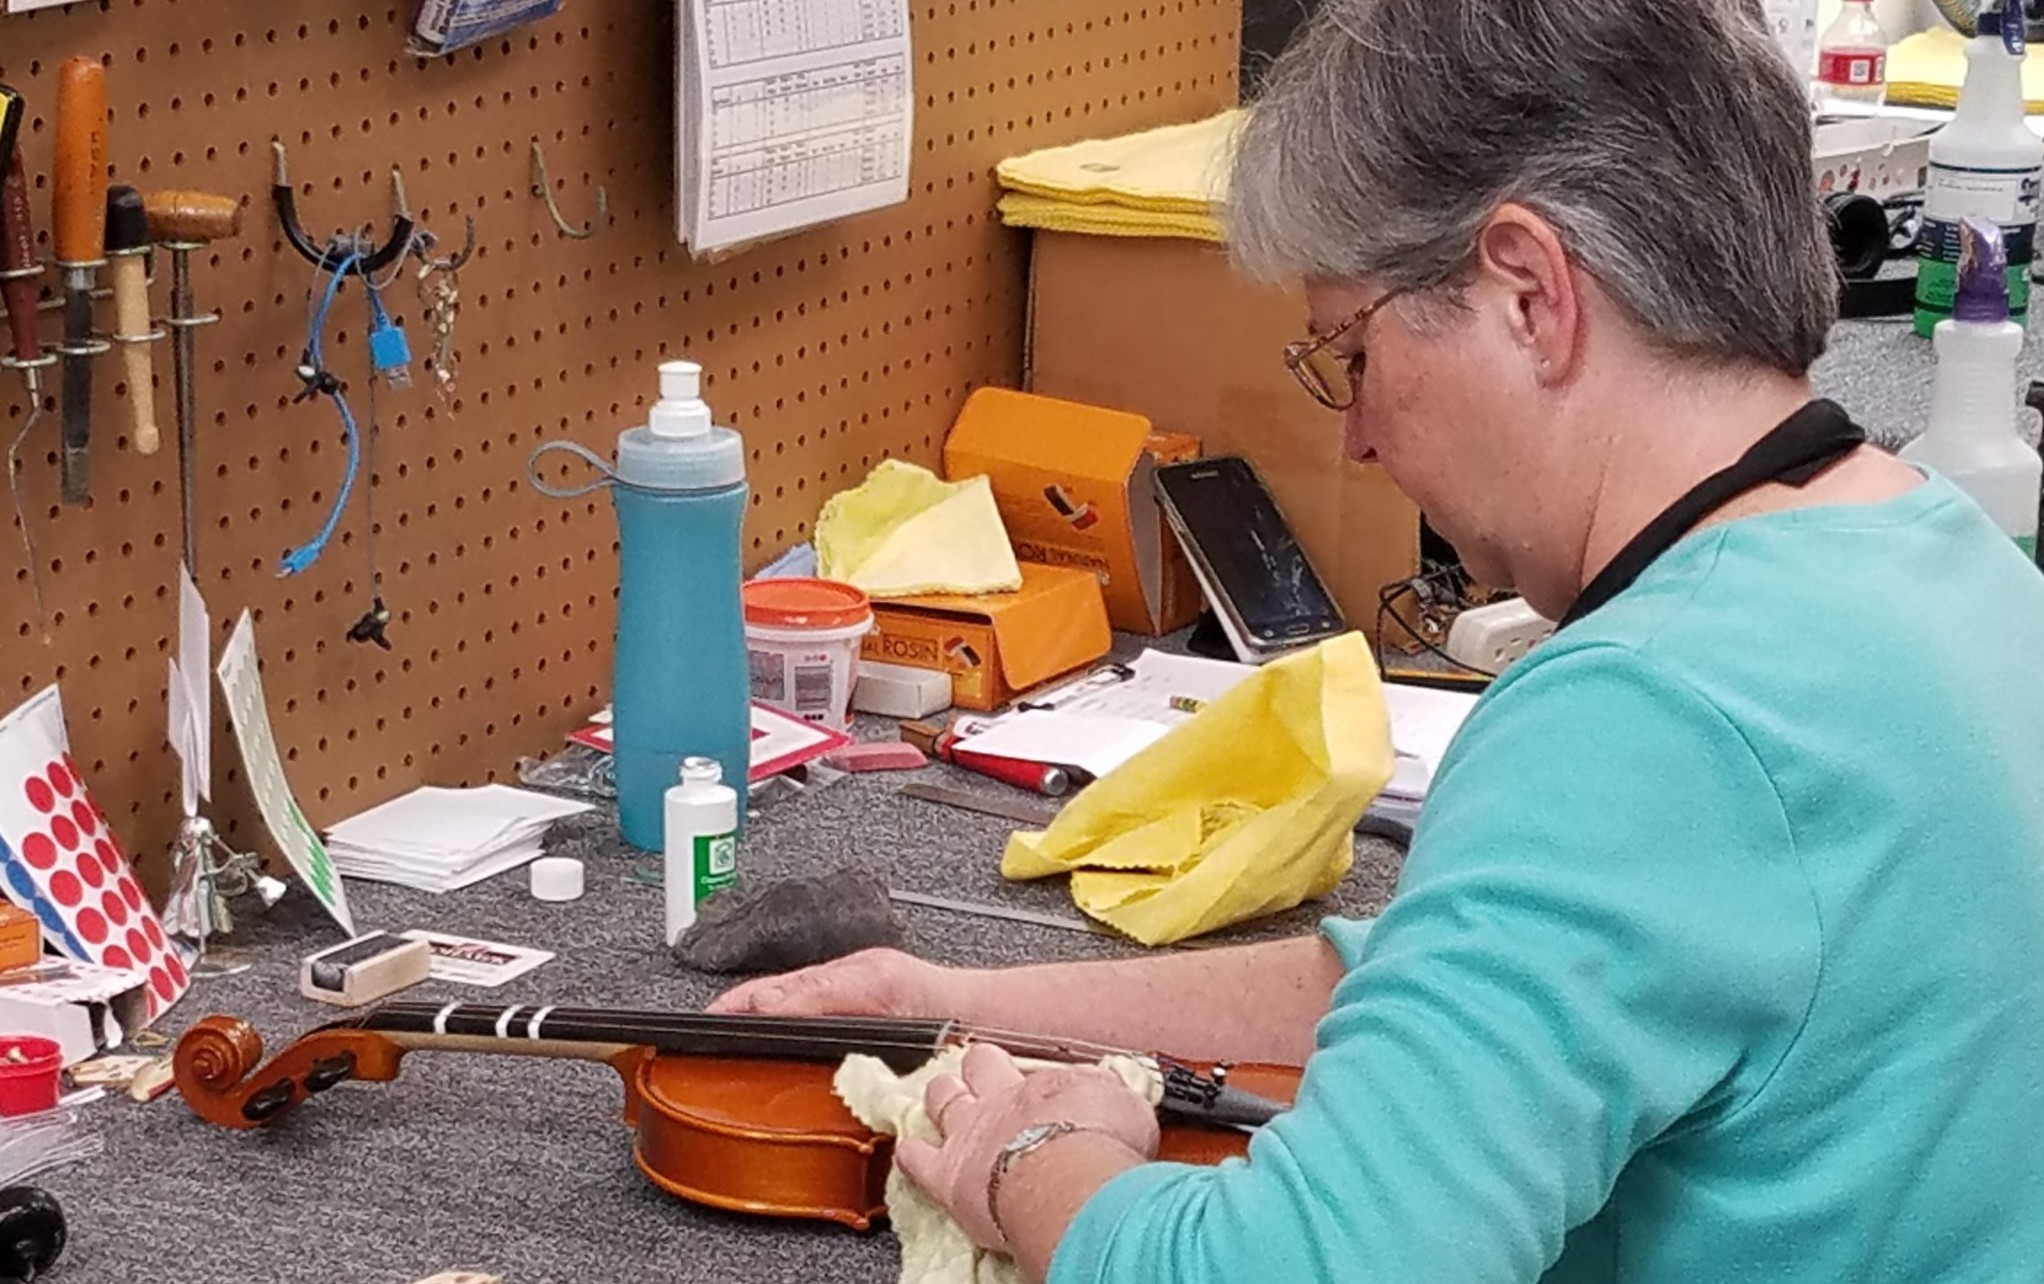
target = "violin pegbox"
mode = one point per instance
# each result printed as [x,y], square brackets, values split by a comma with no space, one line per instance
[222,1077]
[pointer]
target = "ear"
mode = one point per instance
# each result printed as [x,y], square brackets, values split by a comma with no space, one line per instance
[1519,251]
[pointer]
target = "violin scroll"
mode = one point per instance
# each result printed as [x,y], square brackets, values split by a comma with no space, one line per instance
[221,1075]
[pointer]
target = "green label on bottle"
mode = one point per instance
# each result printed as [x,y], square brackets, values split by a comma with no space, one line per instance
[716,864]
[1937,271]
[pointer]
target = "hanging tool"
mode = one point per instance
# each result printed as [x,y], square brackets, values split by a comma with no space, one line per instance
[79,185]
[182,222]
[19,272]
[127,249]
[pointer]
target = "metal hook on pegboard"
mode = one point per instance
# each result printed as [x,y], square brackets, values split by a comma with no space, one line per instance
[334,253]
[543,188]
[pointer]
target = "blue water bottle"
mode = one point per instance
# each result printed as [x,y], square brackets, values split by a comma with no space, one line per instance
[680,687]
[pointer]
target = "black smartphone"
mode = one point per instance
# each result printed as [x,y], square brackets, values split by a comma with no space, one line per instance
[1263,589]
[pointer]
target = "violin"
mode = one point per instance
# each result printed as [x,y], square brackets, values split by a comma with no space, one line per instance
[733,1112]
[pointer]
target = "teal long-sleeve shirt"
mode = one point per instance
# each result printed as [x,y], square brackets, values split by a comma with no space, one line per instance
[1718,956]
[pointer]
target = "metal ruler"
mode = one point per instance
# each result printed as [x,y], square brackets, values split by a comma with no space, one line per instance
[1066,922]
[1063,922]
[1020,812]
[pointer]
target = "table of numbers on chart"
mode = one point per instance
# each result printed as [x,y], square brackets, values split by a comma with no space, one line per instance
[792,136]
[742,31]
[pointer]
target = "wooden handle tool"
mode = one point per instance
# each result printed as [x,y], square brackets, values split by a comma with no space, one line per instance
[79,203]
[17,254]
[196,218]
[127,245]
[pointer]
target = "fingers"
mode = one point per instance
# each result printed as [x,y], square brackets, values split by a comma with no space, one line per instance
[989,1070]
[919,1162]
[945,1091]
[824,990]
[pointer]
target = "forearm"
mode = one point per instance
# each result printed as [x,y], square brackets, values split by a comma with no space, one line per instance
[1248,1003]
[1046,1192]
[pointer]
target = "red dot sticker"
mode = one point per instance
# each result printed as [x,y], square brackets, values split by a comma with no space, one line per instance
[64,832]
[86,821]
[176,968]
[132,893]
[160,981]
[39,851]
[91,871]
[117,958]
[65,889]
[116,908]
[92,926]
[109,856]
[40,795]
[60,779]
[155,932]
[137,946]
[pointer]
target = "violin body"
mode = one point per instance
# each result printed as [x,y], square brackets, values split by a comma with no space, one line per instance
[765,1135]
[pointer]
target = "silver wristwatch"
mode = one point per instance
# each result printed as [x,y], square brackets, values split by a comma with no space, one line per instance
[1030,1138]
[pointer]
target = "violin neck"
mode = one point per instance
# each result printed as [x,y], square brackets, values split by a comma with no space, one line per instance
[902,1044]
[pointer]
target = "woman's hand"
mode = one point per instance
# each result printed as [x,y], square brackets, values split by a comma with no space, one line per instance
[885,983]
[979,1111]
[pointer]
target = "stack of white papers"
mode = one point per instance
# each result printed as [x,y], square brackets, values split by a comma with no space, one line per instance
[437,840]
[1423,723]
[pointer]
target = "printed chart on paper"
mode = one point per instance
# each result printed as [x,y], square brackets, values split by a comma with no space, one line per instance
[793,113]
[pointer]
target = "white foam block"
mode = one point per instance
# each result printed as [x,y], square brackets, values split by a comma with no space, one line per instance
[897,691]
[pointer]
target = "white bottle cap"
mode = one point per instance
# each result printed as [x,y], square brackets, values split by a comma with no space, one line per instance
[556,878]
[702,771]
[680,411]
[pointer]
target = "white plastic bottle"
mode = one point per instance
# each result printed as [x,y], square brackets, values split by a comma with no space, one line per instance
[1985,164]
[1852,57]
[701,843]
[1972,438]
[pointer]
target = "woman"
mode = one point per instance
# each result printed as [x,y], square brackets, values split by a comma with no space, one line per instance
[1719,953]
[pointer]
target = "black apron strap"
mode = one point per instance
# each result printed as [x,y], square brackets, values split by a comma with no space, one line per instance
[1793,454]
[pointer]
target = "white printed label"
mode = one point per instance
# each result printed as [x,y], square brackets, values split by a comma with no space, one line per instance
[1999,196]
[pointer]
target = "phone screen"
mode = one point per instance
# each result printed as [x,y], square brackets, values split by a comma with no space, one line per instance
[1250,550]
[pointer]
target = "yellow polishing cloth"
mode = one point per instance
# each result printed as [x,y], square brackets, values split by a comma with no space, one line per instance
[1927,69]
[1244,810]
[1180,169]
[1045,214]
[904,531]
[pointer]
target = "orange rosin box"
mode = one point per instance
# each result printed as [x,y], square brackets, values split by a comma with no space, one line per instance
[21,938]
[996,645]
[1076,487]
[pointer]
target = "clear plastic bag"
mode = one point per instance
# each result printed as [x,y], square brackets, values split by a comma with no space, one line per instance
[31,1145]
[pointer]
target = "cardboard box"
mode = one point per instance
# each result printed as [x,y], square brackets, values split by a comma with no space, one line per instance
[998,645]
[1076,487]
[1169,330]
[84,1007]
[21,937]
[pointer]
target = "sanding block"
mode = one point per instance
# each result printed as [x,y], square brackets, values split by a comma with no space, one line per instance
[365,969]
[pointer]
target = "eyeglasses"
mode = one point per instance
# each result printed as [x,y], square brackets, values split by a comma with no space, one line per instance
[1331,377]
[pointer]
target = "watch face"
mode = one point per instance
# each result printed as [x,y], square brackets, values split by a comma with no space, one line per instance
[1035,1135]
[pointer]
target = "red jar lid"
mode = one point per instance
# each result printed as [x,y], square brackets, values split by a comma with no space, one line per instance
[805,604]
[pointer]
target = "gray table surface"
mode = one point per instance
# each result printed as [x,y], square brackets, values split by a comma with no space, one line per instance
[522,1168]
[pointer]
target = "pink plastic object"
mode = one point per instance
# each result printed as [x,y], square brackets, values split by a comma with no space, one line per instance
[30,1067]
[884,755]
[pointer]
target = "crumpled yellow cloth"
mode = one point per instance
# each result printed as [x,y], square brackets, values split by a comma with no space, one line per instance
[1927,69]
[905,531]
[934,1250]
[1160,182]
[1245,810]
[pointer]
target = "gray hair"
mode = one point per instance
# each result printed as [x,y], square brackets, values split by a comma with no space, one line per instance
[1669,144]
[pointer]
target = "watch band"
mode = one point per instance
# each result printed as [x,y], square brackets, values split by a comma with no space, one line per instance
[1031,1138]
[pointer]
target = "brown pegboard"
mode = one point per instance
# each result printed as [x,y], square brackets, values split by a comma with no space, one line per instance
[829,350]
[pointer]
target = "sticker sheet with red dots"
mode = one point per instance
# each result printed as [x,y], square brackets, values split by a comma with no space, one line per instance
[60,860]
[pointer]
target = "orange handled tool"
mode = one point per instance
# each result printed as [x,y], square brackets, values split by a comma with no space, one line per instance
[19,270]
[79,205]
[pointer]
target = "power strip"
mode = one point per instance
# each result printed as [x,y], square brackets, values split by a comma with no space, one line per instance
[1492,637]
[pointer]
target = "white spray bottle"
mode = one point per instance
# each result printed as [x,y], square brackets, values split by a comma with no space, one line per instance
[1972,438]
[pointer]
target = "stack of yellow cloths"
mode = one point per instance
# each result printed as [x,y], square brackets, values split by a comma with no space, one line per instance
[1927,69]
[1162,182]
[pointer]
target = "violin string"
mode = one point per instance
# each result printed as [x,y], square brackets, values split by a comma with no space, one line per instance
[819,1032]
